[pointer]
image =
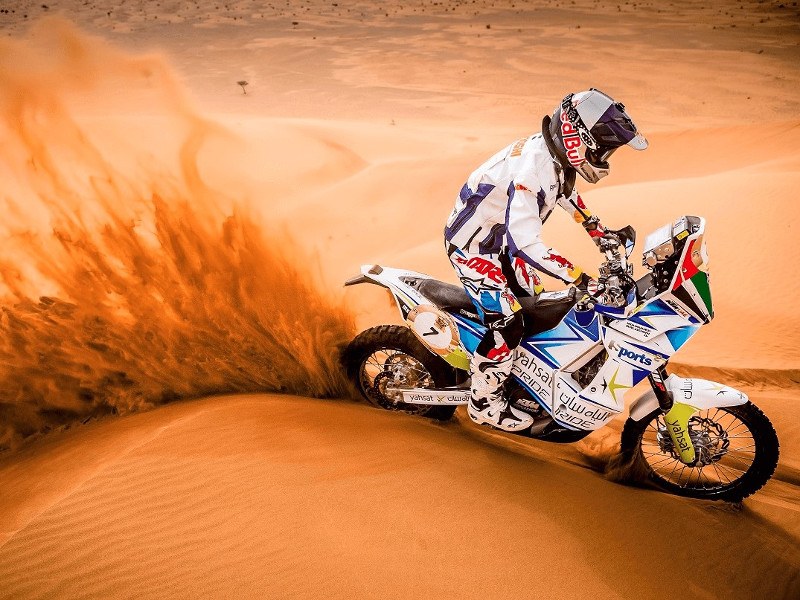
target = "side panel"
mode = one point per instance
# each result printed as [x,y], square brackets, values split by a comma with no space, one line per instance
[535,375]
[577,410]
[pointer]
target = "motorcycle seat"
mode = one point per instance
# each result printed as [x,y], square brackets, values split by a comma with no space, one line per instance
[445,295]
[543,312]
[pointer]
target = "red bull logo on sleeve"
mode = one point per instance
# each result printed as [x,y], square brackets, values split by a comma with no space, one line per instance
[559,260]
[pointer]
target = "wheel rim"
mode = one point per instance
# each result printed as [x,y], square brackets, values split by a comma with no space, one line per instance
[388,368]
[724,445]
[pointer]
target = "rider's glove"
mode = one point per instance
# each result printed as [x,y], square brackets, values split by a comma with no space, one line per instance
[585,284]
[594,229]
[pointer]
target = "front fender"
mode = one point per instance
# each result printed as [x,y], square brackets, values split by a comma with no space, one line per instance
[689,396]
[699,394]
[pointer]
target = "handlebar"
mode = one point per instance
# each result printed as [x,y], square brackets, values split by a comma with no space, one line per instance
[616,273]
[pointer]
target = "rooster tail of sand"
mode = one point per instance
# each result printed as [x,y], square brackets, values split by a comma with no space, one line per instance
[127,282]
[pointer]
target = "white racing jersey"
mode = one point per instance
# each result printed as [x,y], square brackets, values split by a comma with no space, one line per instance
[505,202]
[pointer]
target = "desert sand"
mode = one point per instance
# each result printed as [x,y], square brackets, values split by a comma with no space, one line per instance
[169,236]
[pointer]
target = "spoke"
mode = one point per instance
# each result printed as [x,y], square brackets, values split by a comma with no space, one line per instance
[677,464]
[731,430]
[659,462]
[680,475]
[720,473]
[736,473]
[750,453]
[652,444]
[662,471]
[708,479]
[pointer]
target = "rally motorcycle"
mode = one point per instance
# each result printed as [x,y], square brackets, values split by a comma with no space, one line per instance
[581,352]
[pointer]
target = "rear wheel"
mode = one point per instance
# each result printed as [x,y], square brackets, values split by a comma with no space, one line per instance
[736,449]
[390,356]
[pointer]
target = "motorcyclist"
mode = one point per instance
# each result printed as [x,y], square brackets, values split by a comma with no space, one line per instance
[493,238]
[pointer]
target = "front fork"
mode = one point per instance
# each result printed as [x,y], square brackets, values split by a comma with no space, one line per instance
[676,416]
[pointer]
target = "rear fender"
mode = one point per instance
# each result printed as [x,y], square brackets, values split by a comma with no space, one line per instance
[437,330]
[406,297]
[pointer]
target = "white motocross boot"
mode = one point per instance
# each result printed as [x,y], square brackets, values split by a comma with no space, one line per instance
[498,413]
[487,404]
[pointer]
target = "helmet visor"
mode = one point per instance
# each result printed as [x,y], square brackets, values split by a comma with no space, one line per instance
[615,128]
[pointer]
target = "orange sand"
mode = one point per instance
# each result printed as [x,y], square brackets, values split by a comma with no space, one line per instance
[360,123]
[276,496]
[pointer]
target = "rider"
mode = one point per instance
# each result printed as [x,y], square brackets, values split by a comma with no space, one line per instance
[493,234]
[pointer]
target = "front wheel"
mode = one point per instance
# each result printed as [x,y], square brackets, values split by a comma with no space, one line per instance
[390,356]
[736,449]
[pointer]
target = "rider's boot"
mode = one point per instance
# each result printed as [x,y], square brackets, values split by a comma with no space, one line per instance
[498,413]
[487,404]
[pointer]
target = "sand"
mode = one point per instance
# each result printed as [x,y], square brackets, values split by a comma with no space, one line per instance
[276,496]
[359,123]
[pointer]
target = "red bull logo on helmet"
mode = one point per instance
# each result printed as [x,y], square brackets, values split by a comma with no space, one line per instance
[572,141]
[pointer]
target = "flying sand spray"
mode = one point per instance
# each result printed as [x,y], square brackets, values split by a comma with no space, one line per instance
[125,281]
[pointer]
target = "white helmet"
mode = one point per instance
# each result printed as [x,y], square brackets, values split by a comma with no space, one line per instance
[586,129]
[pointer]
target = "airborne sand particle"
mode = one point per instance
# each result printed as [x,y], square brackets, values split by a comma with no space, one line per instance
[126,287]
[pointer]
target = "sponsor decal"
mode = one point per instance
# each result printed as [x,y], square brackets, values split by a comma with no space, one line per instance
[521,188]
[572,141]
[631,356]
[557,295]
[680,436]
[686,389]
[641,358]
[405,309]
[516,149]
[498,354]
[613,386]
[511,300]
[559,260]
[577,411]
[434,328]
[533,373]
[483,267]
[436,398]
[574,411]
[676,307]
[656,378]
[528,275]
[525,403]
[642,330]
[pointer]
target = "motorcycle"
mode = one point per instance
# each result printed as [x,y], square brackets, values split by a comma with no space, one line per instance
[581,352]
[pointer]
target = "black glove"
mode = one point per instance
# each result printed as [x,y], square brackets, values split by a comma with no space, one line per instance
[582,283]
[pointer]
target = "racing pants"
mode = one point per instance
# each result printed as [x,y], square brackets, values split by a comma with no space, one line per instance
[493,282]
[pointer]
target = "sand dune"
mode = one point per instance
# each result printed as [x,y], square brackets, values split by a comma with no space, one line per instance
[275,496]
[360,123]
